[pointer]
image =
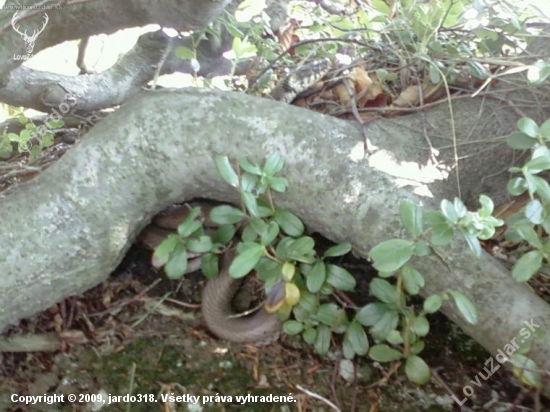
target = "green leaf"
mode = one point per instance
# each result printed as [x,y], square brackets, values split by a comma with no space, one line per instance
[383,353]
[394,337]
[248,234]
[528,126]
[465,306]
[164,250]
[417,370]
[448,210]
[383,290]
[527,266]
[520,141]
[245,261]
[300,247]
[433,74]
[224,234]
[14,137]
[487,206]
[259,226]
[189,227]
[267,268]
[209,265]
[412,217]
[412,280]
[248,182]
[184,53]
[340,278]
[47,140]
[290,224]
[322,341]
[279,184]
[420,326]
[309,335]
[538,164]
[542,188]
[329,314]
[528,233]
[516,186]
[381,6]
[251,203]
[442,232]
[460,207]
[544,129]
[525,370]
[201,245]
[226,171]
[316,277]
[477,69]
[417,347]
[270,234]
[530,179]
[176,266]
[22,119]
[273,164]
[390,255]
[291,327]
[472,241]
[24,136]
[337,250]
[347,349]
[263,210]
[357,337]
[226,215]
[288,270]
[5,148]
[432,303]
[370,314]
[250,168]
[388,322]
[421,248]
[308,302]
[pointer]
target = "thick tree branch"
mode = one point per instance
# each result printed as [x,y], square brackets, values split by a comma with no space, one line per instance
[82,19]
[91,204]
[44,90]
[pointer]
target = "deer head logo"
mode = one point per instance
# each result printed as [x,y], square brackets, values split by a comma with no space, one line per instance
[29,40]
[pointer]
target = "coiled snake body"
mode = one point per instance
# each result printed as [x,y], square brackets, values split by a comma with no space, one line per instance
[261,327]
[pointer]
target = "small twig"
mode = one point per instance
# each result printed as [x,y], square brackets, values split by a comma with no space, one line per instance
[318,397]
[165,53]
[362,124]
[333,379]
[127,301]
[443,384]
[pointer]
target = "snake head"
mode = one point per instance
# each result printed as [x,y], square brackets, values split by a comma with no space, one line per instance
[300,79]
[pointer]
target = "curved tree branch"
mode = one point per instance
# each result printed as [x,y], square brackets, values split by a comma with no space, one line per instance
[43,90]
[80,19]
[75,221]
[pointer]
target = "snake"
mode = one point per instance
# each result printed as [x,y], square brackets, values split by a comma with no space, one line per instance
[300,79]
[261,327]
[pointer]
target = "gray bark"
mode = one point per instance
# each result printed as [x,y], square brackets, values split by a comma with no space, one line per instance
[153,54]
[70,226]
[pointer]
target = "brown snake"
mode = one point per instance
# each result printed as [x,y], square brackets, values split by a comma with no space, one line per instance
[260,327]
